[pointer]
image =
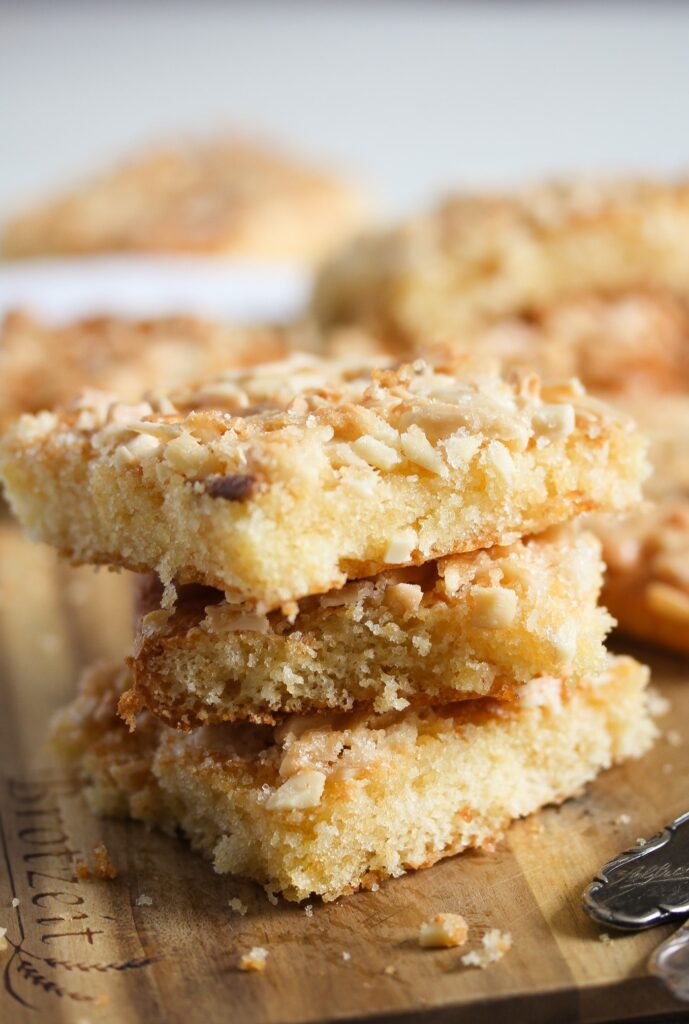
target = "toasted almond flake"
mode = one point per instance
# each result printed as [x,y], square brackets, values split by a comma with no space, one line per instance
[419,450]
[376,453]
[460,449]
[554,421]
[494,607]
[401,547]
[300,791]
[136,450]
[186,454]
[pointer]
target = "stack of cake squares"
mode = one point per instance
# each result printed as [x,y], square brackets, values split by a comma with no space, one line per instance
[368,632]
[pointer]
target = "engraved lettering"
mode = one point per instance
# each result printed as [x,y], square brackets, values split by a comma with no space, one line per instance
[88,934]
[28,835]
[73,899]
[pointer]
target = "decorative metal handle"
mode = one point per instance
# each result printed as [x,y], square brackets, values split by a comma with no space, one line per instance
[645,886]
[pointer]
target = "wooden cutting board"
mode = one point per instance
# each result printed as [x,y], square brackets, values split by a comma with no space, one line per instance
[86,951]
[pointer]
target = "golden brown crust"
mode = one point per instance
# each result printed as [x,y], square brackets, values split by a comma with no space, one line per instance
[226,197]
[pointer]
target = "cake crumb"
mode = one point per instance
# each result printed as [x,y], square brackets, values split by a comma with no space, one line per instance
[444,931]
[622,819]
[375,887]
[254,960]
[390,970]
[674,738]
[604,938]
[308,910]
[639,840]
[15,901]
[272,898]
[102,867]
[144,901]
[82,870]
[346,956]
[495,944]
[237,905]
[657,704]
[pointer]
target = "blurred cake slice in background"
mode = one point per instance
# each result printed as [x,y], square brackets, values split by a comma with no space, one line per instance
[227,197]
[477,258]
[44,366]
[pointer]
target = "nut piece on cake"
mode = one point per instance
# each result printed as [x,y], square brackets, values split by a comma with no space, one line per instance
[330,804]
[227,197]
[288,479]
[501,622]
[478,258]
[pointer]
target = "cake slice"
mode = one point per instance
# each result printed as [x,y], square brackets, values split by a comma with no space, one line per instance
[486,623]
[474,259]
[222,197]
[289,479]
[43,366]
[327,804]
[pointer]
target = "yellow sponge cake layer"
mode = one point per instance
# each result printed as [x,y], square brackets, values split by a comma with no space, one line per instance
[466,626]
[328,804]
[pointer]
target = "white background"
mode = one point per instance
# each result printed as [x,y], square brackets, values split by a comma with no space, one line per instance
[412,95]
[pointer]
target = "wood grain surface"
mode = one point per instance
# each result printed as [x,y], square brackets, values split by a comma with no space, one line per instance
[86,951]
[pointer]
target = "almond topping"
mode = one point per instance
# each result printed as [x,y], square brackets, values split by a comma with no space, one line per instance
[554,421]
[494,607]
[300,791]
[375,452]
[401,547]
[419,450]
